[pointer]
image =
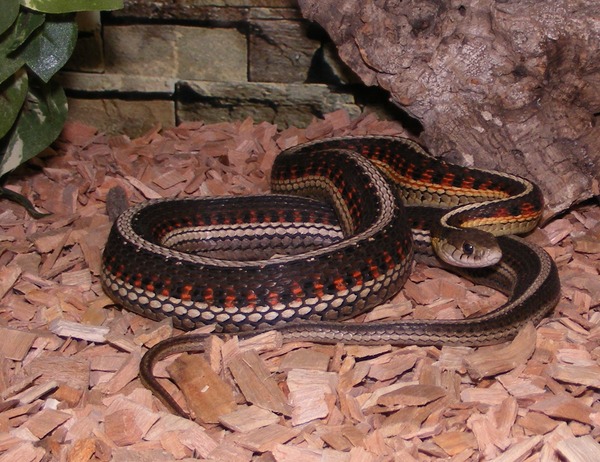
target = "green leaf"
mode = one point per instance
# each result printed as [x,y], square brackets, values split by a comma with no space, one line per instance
[69,6]
[10,58]
[10,9]
[9,66]
[12,96]
[27,23]
[39,124]
[52,46]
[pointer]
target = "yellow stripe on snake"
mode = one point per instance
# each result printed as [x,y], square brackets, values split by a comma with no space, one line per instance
[336,238]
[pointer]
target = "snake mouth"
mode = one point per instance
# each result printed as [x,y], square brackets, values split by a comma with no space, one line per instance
[467,248]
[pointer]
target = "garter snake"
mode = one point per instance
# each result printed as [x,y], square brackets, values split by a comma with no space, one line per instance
[333,241]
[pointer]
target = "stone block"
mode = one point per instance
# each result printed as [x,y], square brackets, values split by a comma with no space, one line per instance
[282,104]
[141,50]
[168,10]
[116,116]
[170,51]
[211,54]
[116,83]
[88,55]
[280,51]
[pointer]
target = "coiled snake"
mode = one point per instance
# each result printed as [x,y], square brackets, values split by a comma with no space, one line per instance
[333,241]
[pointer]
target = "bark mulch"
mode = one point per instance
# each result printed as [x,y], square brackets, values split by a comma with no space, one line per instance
[69,358]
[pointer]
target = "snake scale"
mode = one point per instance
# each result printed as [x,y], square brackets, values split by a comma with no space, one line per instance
[336,238]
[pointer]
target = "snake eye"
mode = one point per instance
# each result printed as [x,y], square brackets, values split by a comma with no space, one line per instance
[468,248]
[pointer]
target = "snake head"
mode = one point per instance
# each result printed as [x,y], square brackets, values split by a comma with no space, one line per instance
[467,248]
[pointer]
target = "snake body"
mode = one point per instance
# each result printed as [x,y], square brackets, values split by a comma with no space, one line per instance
[333,241]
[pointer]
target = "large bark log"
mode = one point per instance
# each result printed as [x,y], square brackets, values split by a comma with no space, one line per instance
[512,85]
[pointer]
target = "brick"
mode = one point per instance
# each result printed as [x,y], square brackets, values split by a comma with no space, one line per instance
[116,116]
[282,104]
[211,54]
[169,51]
[280,51]
[140,50]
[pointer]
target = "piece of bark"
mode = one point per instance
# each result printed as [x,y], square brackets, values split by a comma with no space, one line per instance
[564,407]
[581,375]
[46,421]
[25,452]
[80,331]
[266,438]
[126,421]
[305,359]
[455,442]
[311,394]
[248,418]
[207,395]
[157,332]
[538,423]
[8,277]
[15,343]
[520,450]
[199,441]
[123,426]
[82,278]
[125,374]
[508,85]
[82,450]
[395,367]
[493,395]
[411,395]
[36,392]
[72,370]
[581,449]
[495,360]
[256,383]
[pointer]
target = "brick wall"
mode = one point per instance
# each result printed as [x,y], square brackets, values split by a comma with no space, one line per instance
[220,60]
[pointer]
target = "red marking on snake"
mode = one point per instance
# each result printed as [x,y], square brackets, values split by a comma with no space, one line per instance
[389,261]
[230,297]
[318,286]
[339,284]
[208,295]
[297,291]
[373,268]
[251,298]
[448,179]
[186,292]
[273,298]
[357,275]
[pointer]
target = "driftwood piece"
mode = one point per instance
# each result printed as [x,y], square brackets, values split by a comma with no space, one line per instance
[510,85]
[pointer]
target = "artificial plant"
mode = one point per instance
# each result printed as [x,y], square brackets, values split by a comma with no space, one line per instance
[37,38]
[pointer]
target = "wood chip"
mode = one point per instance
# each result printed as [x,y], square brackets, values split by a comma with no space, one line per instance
[581,375]
[79,331]
[564,407]
[582,449]
[248,418]
[256,383]
[45,421]
[411,395]
[15,343]
[207,395]
[305,359]
[494,360]
[266,438]
[532,399]
[311,394]
[8,277]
